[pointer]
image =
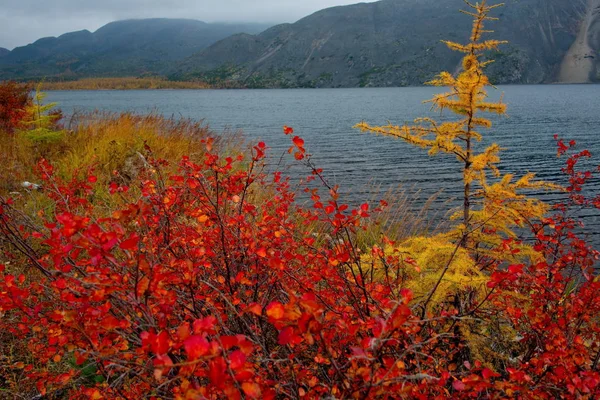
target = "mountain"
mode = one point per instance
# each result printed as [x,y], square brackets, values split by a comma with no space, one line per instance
[398,43]
[384,43]
[3,51]
[122,48]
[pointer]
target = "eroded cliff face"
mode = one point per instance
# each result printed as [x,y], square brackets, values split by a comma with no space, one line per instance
[580,64]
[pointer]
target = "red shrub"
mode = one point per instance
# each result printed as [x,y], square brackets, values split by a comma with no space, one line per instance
[212,285]
[14,98]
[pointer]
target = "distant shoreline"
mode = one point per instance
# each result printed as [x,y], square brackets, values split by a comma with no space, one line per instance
[132,83]
[126,83]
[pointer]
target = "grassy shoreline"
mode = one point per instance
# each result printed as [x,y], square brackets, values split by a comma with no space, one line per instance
[126,83]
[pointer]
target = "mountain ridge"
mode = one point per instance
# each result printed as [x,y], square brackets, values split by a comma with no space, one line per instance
[392,43]
[121,48]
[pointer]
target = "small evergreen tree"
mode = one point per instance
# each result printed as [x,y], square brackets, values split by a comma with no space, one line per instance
[40,121]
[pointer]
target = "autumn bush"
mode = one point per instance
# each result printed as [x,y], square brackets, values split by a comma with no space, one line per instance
[206,278]
[14,99]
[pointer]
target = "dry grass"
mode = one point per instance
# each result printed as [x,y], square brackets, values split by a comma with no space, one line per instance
[116,145]
[113,142]
[130,83]
[407,213]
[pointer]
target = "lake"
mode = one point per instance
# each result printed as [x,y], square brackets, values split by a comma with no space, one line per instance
[359,162]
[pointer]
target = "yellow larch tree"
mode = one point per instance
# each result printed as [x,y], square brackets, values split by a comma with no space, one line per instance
[457,263]
[451,270]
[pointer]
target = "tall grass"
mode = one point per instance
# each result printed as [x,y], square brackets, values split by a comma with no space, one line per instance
[405,213]
[116,145]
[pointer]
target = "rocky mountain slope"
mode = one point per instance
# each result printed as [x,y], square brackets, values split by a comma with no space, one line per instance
[3,51]
[384,43]
[122,48]
[396,43]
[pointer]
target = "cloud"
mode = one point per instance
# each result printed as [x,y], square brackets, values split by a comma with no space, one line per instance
[24,21]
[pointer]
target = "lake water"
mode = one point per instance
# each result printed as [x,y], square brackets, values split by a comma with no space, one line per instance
[358,161]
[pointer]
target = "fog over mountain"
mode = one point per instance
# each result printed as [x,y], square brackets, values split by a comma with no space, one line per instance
[24,21]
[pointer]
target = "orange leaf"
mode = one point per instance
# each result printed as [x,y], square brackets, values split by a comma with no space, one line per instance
[255,309]
[262,252]
[251,389]
[209,144]
[275,310]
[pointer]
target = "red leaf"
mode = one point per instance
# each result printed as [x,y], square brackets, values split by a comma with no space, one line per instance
[244,375]
[298,141]
[216,371]
[286,336]
[130,243]
[237,359]
[161,344]
[516,269]
[288,130]
[488,373]
[196,347]
[204,325]
[458,385]
[229,341]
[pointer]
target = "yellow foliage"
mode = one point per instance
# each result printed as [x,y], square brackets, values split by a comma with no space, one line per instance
[427,260]
[114,142]
[467,98]
[453,267]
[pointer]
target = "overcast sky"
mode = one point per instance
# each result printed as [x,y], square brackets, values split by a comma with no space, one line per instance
[24,21]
